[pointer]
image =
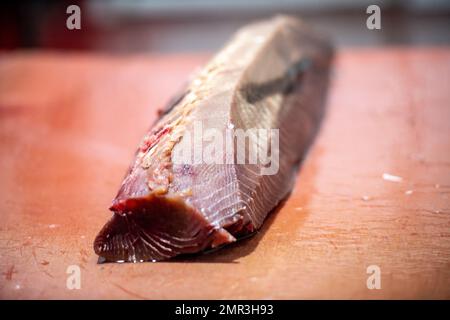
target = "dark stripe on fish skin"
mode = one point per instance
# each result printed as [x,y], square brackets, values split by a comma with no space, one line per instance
[176,99]
[254,92]
[173,102]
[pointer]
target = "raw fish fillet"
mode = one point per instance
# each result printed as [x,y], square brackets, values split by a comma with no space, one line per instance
[272,75]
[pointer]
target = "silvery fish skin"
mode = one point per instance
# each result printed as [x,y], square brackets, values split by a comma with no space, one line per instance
[271,75]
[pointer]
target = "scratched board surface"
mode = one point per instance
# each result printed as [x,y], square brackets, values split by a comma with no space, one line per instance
[374,189]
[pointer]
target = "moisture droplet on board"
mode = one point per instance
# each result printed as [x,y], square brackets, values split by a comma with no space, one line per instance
[391,177]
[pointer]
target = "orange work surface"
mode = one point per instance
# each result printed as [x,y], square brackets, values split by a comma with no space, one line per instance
[373,190]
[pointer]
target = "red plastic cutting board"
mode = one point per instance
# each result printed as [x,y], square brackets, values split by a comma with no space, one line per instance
[69,125]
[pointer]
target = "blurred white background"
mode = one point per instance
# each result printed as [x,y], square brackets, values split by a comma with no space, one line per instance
[204,25]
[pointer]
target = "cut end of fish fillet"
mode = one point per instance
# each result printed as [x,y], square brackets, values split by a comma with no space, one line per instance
[156,228]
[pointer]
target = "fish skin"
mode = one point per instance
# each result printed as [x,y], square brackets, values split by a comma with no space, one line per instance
[271,75]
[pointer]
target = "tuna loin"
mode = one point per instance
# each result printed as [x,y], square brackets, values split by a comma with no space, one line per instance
[271,75]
